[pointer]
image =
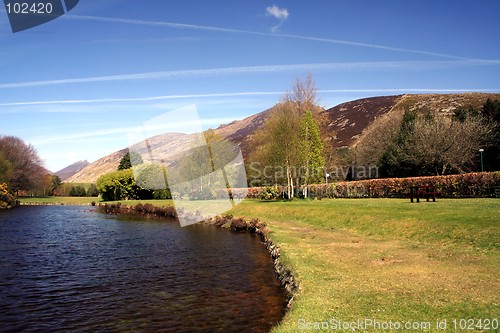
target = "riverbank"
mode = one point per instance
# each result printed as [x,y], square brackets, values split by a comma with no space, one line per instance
[384,259]
[56,201]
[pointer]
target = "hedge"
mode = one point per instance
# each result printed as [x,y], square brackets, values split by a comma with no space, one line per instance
[478,184]
[468,185]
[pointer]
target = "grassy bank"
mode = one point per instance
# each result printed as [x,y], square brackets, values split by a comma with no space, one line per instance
[387,259]
[87,201]
[58,200]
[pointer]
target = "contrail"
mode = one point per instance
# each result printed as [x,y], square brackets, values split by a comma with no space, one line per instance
[249,93]
[146,99]
[249,32]
[255,69]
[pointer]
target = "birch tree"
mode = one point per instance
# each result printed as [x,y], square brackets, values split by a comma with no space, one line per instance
[284,140]
[311,152]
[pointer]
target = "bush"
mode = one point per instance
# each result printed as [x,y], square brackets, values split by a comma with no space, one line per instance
[92,191]
[7,199]
[269,193]
[77,191]
[118,185]
[162,194]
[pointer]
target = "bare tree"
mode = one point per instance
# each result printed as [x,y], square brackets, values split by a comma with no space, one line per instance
[442,145]
[27,166]
[378,137]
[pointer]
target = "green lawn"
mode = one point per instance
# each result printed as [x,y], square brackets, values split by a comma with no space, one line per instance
[387,259]
[58,200]
[87,201]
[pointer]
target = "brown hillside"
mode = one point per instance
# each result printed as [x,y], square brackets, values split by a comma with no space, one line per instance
[161,146]
[346,124]
[71,170]
[240,132]
[91,172]
[348,120]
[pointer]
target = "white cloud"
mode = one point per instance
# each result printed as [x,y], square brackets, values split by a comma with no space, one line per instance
[280,14]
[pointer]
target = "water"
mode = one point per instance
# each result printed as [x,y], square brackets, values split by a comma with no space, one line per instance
[74,269]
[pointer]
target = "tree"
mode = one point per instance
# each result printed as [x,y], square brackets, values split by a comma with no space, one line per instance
[119,185]
[55,182]
[311,152]
[27,167]
[395,162]
[6,169]
[462,115]
[151,176]
[433,144]
[284,135]
[441,146]
[129,160]
[92,191]
[491,110]
[280,144]
[77,191]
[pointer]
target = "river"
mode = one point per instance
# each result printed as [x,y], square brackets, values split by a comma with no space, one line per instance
[75,269]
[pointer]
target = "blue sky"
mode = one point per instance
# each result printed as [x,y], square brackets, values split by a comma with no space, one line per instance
[75,86]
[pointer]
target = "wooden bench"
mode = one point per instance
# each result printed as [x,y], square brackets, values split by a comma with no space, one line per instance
[423,191]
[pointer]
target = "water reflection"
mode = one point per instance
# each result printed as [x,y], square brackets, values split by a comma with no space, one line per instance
[73,269]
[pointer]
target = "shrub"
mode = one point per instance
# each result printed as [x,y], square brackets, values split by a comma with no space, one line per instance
[92,191]
[77,191]
[118,185]
[162,194]
[269,193]
[7,199]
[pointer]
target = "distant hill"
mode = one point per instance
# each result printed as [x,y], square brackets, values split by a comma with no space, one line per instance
[164,144]
[71,170]
[344,125]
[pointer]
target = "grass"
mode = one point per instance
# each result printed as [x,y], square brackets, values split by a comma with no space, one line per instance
[381,259]
[58,200]
[387,259]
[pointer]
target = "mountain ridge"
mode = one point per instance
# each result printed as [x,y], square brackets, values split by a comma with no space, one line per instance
[345,124]
[71,170]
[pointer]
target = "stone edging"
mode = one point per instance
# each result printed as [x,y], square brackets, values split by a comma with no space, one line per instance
[285,275]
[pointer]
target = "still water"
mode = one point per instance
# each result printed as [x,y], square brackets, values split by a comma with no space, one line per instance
[77,270]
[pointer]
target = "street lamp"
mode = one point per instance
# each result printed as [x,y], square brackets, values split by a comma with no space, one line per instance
[481,152]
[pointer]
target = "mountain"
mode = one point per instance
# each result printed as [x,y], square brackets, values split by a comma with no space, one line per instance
[167,144]
[343,125]
[71,170]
